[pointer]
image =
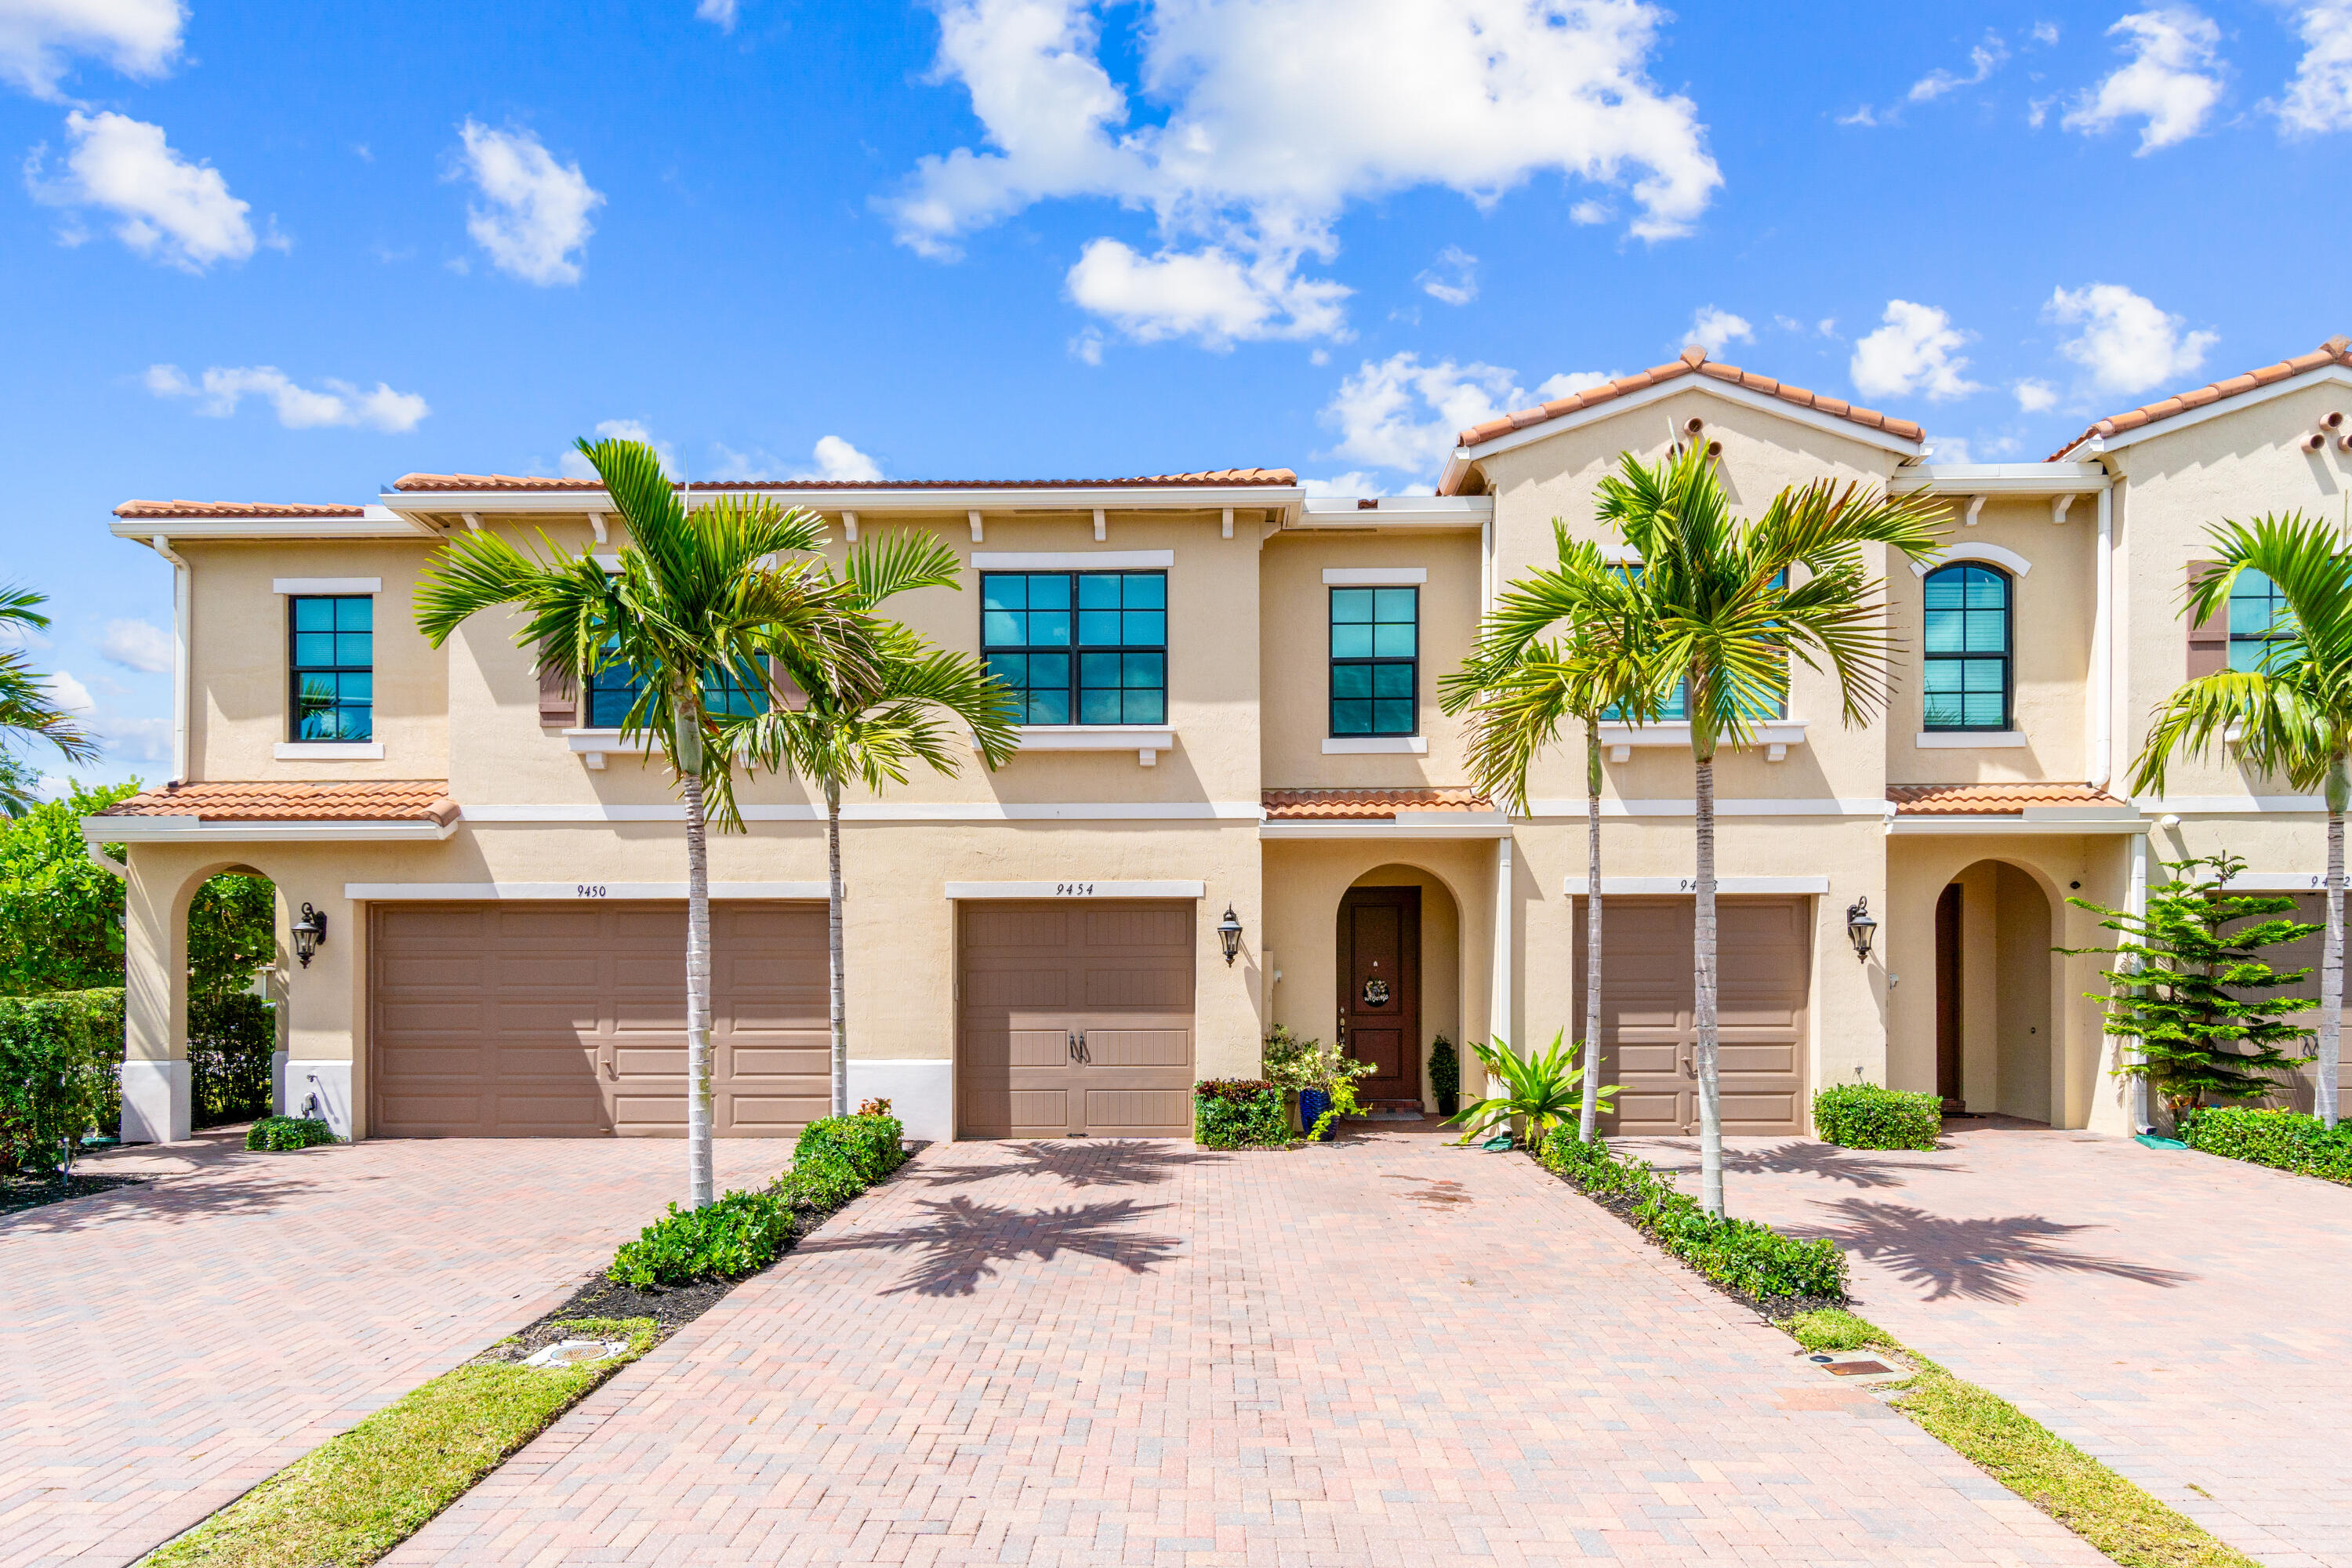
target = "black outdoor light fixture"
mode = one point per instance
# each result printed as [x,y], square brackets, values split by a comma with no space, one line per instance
[1229,932]
[309,932]
[1860,927]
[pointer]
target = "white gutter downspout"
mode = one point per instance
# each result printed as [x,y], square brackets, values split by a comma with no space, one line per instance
[102,860]
[2136,906]
[180,597]
[2102,645]
[1486,568]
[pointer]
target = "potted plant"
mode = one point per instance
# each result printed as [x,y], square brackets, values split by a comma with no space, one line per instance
[1322,1078]
[1445,1075]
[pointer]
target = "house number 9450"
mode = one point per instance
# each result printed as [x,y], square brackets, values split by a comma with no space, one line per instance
[1074,890]
[589,891]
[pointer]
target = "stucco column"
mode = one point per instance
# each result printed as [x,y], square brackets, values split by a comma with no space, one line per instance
[1501,1017]
[156,1107]
[326,1007]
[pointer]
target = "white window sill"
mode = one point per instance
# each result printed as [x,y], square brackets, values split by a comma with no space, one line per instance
[1969,739]
[1775,736]
[1357,745]
[1147,740]
[595,745]
[328,751]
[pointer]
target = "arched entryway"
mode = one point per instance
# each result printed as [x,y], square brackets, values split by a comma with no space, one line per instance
[1994,1043]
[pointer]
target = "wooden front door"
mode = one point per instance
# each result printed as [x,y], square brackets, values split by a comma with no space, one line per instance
[1379,988]
[1947,995]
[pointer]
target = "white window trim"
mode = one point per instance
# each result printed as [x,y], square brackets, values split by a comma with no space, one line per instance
[1147,740]
[1775,736]
[1968,739]
[1375,576]
[1072,560]
[1992,554]
[602,741]
[1364,746]
[328,752]
[349,587]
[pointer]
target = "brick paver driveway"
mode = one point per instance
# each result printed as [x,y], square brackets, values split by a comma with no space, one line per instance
[1382,1353]
[2187,1319]
[164,1347]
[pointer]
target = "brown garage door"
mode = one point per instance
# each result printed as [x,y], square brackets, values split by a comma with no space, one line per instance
[517,1020]
[1648,1031]
[1076,1018]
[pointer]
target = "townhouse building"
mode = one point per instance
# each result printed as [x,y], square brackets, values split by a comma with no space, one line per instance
[1229,695]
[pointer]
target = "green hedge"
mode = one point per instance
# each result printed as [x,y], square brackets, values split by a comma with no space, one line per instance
[2287,1140]
[1864,1116]
[231,1039]
[280,1133]
[1749,1258]
[1239,1113]
[873,1146]
[60,1072]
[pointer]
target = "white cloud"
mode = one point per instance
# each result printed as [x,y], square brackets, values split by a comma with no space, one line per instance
[1983,60]
[1089,345]
[1715,329]
[1917,350]
[137,645]
[2045,33]
[1280,113]
[2172,80]
[220,389]
[720,12]
[1354,482]
[1401,414]
[1553,387]
[1211,294]
[137,740]
[1453,278]
[2033,396]
[169,209]
[69,694]
[2127,343]
[577,467]
[1949,450]
[535,217]
[841,463]
[39,37]
[1865,116]
[2320,98]
[1589,212]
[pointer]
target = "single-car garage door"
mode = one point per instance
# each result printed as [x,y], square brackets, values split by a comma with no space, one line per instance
[1648,1025]
[1076,1017]
[519,1020]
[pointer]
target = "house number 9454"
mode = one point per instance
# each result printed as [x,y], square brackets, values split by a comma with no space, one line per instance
[589,891]
[1074,890]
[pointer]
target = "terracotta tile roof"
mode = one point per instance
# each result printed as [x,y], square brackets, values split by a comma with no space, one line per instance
[1335,804]
[430,482]
[2335,351]
[1991,799]
[230,509]
[1694,361]
[384,800]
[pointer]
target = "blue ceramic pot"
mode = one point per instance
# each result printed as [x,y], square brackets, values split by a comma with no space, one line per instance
[1312,1104]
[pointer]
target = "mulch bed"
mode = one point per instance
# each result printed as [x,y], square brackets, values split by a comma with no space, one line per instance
[20,1191]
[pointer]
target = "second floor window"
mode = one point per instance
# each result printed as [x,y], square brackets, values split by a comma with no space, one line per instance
[613,692]
[1079,647]
[1968,648]
[2259,619]
[333,662]
[1375,660]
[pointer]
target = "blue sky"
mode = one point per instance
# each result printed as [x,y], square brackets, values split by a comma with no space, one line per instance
[288,253]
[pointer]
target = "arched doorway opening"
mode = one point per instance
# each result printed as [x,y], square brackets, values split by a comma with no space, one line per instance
[1400,981]
[235,996]
[1995,1051]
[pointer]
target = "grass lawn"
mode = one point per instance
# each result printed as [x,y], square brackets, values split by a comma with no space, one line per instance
[2094,1503]
[358,1496]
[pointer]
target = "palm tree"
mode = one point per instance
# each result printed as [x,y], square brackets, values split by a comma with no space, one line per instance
[27,707]
[872,729]
[2291,714]
[696,602]
[1520,685]
[1729,619]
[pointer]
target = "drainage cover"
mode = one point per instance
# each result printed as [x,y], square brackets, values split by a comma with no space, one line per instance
[572,1352]
[1857,1368]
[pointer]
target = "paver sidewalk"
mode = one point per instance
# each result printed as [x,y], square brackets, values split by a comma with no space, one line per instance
[1384,1353]
[164,1347]
[2184,1318]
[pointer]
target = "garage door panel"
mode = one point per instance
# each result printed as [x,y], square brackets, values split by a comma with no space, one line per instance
[1121,987]
[1138,1112]
[1039,987]
[773,1061]
[1645,1059]
[775,1115]
[1031,1048]
[1646,1110]
[1139,1047]
[990,930]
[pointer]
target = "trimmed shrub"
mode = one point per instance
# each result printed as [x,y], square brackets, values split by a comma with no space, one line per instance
[60,1073]
[284,1133]
[872,1146]
[740,1234]
[231,1039]
[1752,1259]
[1864,1116]
[2287,1139]
[819,1185]
[1239,1113]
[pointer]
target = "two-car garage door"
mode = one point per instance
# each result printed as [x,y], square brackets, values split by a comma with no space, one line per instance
[568,1020]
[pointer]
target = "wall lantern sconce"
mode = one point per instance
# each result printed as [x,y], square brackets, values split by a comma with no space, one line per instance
[309,932]
[1860,928]
[1229,932]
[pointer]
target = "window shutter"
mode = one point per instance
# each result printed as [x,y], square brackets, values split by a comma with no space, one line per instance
[784,688]
[2209,640]
[558,701]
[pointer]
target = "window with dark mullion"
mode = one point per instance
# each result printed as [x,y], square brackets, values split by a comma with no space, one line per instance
[1375,662]
[614,691]
[1079,647]
[2259,620]
[332,657]
[1967,680]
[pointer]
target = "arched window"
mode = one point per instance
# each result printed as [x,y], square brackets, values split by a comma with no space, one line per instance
[1967,647]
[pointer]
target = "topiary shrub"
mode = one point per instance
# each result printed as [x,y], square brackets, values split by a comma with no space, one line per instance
[740,1234]
[60,1073]
[2285,1139]
[280,1133]
[1239,1113]
[872,1146]
[1864,1116]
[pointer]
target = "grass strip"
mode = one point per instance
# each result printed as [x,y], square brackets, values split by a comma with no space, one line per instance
[359,1495]
[2110,1512]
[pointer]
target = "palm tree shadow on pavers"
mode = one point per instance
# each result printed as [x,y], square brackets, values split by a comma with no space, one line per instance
[1853,1167]
[1980,1259]
[962,1241]
[1082,1163]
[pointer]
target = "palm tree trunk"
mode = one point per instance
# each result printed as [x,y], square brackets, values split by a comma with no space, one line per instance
[833,951]
[1711,1099]
[1591,1112]
[2331,964]
[699,1187]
